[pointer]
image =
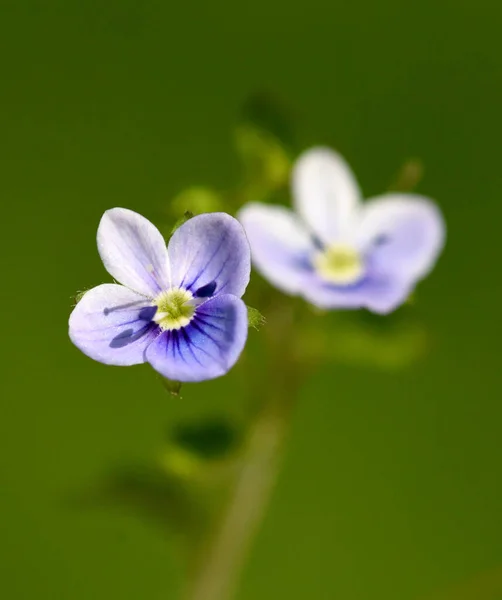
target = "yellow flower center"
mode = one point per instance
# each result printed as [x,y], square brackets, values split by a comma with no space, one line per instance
[174,309]
[339,264]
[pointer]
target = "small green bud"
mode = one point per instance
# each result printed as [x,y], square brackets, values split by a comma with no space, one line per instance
[172,387]
[78,296]
[196,200]
[255,319]
[409,176]
[186,216]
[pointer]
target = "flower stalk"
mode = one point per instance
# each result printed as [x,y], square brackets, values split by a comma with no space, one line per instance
[220,557]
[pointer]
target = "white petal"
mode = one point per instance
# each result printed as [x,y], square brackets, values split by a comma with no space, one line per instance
[133,251]
[403,234]
[279,242]
[326,194]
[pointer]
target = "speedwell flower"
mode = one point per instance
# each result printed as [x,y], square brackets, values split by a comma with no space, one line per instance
[336,251]
[178,308]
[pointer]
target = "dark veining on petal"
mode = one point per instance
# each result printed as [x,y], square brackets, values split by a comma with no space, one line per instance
[128,336]
[147,313]
[206,322]
[204,351]
[189,346]
[206,290]
[317,242]
[107,311]
[304,263]
[115,325]
[172,344]
[177,342]
[225,263]
[213,315]
[381,240]
[206,334]
[201,272]
[166,336]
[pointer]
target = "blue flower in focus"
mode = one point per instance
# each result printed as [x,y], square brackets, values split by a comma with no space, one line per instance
[336,251]
[178,308]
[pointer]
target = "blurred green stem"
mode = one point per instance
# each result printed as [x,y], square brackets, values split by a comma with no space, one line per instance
[220,558]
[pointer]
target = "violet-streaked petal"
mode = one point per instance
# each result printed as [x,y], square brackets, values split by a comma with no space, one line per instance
[133,251]
[112,325]
[206,291]
[206,348]
[403,234]
[280,244]
[378,293]
[326,194]
[210,248]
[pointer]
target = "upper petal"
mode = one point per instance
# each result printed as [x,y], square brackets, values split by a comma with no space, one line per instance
[280,244]
[403,234]
[326,193]
[112,324]
[210,248]
[133,251]
[208,347]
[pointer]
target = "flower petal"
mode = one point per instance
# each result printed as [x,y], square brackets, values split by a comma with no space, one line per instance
[403,233]
[206,348]
[376,293]
[280,244]
[326,194]
[133,251]
[210,248]
[113,325]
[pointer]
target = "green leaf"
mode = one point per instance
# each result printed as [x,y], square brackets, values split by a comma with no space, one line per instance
[255,319]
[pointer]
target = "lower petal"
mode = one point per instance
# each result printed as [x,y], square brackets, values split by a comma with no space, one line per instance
[113,325]
[206,348]
[380,294]
[280,245]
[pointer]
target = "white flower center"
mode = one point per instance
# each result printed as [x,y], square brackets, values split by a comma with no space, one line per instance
[339,264]
[174,309]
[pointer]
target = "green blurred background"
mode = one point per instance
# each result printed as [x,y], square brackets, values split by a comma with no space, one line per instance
[391,485]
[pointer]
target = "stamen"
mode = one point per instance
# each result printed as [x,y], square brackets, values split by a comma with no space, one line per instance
[174,309]
[339,264]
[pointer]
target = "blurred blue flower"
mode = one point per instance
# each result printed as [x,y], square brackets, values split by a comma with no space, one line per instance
[338,252]
[179,307]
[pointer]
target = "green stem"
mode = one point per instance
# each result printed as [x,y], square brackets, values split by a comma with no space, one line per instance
[221,556]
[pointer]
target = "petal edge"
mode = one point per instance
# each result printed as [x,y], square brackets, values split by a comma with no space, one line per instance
[403,233]
[280,244]
[112,324]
